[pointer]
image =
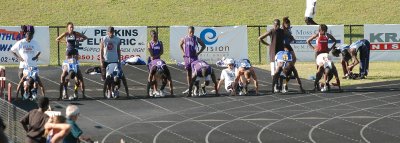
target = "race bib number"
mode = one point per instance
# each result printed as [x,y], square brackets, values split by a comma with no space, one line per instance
[159,63]
[285,57]
[110,46]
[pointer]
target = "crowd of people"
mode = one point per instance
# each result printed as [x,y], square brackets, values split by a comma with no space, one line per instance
[42,125]
[237,76]
[45,126]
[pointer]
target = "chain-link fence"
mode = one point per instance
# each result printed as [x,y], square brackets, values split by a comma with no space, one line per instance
[353,33]
[11,115]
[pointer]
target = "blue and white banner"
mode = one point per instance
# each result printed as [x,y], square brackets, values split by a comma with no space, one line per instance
[229,42]
[9,35]
[302,32]
[133,41]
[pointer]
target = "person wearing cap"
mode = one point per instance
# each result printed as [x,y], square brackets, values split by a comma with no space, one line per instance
[27,51]
[34,122]
[110,52]
[201,69]
[76,134]
[189,47]
[159,71]
[228,76]
[245,69]
[277,42]
[350,52]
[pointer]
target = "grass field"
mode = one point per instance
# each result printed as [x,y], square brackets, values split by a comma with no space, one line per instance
[378,71]
[190,12]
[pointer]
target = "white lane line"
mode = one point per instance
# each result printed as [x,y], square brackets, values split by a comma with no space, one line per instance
[195,102]
[115,108]
[156,105]
[148,71]
[317,126]
[358,109]
[186,117]
[255,124]
[295,104]
[219,111]
[131,114]
[266,127]
[367,126]
[378,86]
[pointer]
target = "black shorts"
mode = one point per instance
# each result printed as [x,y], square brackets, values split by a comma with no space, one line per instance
[309,21]
[71,52]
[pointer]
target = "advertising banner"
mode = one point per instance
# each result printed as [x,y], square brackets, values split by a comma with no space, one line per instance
[384,40]
[302,32]
[133,41]
[229,42]
[9,35]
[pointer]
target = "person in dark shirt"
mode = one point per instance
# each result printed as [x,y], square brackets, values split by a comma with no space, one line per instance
[277,36]
[3,137]
[34,122]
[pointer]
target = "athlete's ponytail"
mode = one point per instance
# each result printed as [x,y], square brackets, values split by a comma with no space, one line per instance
[286,20]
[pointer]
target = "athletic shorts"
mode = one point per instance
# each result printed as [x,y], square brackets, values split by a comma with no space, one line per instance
[188,62]
[71,51]
[324,59]
[207,78]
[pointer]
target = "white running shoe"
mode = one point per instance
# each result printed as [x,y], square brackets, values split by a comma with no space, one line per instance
[203,91]
[116,93]
[162,93]
[75,94]
[108,94]
[324,89]
[156,94]
[64,94]
[284,88]
[195,91]
[34,94]
[276,90]
[26,95]
[151,93]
